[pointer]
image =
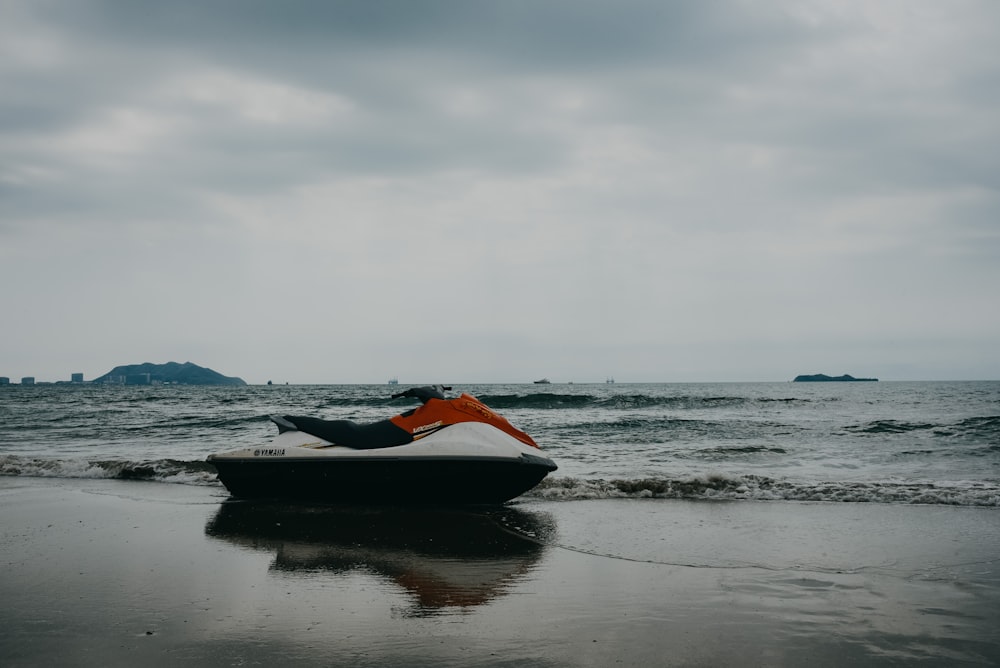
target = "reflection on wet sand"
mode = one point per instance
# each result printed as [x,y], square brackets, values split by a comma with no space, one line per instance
[445,557]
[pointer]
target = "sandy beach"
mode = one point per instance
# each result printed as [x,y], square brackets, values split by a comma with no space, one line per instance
[118,573]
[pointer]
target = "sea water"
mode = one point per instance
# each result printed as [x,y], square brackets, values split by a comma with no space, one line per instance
[884,442]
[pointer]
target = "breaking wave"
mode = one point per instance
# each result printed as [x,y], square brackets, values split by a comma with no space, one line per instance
[985,428]
[890,427]
[554,400]
[161,470]
[714,487]
[762,488]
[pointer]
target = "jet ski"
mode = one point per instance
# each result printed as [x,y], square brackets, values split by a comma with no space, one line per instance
[445,451]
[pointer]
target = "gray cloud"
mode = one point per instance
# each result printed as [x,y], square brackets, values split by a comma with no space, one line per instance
[572,188]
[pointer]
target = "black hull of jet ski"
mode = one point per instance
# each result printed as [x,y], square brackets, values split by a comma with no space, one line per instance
[384,480]
[466,463]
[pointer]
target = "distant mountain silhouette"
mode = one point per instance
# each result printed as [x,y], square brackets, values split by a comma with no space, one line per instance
[823,378]
[171,372]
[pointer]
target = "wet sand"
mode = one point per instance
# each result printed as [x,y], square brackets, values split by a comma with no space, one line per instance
[116,573]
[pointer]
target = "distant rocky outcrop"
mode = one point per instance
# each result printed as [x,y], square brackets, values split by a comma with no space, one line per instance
[169,373]
[823,378]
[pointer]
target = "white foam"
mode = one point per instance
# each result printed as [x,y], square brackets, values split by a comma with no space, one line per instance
[758,488]
[178,472]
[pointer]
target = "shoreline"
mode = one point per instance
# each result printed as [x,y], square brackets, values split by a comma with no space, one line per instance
[115,573]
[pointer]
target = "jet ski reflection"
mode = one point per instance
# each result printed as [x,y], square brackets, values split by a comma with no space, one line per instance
[444,557]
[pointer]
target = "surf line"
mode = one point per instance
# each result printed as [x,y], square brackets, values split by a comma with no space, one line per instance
[805,568]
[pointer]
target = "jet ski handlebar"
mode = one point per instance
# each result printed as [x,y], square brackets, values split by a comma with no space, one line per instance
[424,393]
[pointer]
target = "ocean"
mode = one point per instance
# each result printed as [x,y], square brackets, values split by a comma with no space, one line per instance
[730,524]
[935,443]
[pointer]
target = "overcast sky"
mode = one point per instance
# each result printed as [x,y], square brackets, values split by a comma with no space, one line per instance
[463,191]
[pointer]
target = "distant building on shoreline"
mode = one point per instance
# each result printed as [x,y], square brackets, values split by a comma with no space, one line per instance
[75,379]
[129,379]
[170,373]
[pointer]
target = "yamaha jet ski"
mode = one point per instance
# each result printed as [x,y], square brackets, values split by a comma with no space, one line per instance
[443,451]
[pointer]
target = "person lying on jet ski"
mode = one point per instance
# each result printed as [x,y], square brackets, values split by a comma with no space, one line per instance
[436,413]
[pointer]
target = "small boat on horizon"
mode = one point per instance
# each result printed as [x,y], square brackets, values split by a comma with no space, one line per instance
[543,381]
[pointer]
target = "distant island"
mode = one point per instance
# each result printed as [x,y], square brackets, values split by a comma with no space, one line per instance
[171,373]
[823,378]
